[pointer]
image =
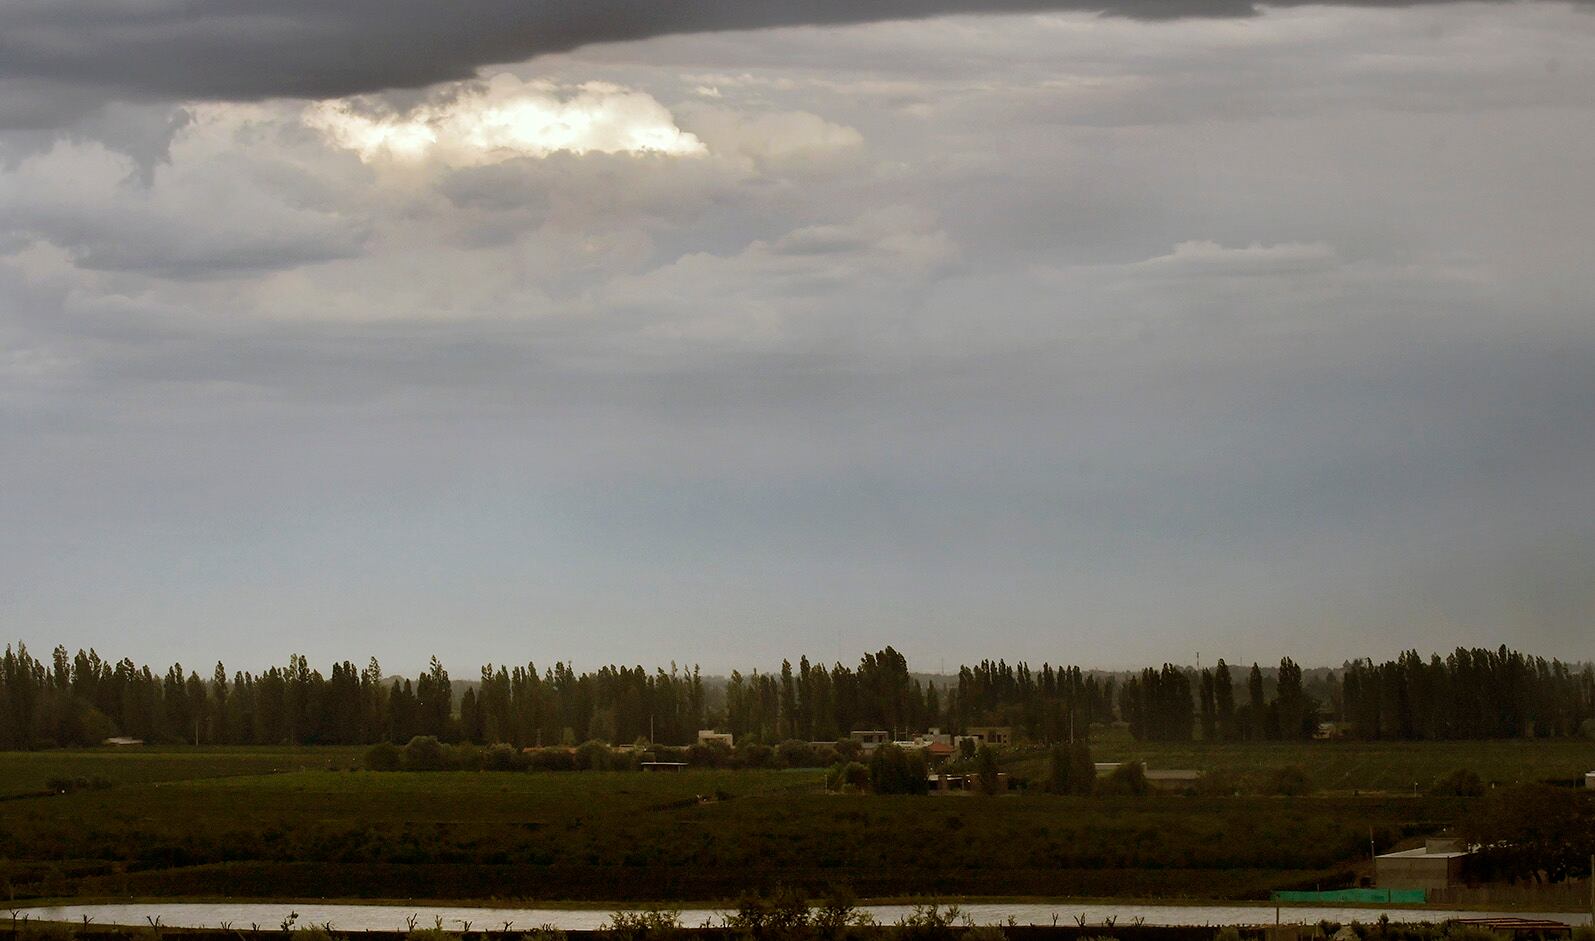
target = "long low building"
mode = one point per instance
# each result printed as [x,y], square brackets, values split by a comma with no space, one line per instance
[1439,864]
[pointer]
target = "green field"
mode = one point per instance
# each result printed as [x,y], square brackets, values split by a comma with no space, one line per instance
[214,822]
[1366,766]
[28,772]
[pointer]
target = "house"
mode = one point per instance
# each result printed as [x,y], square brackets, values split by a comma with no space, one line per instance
[1589,781]
[710,736]
[122,741]
[1332,730]
[1438,864]
[991,734]
[871,739]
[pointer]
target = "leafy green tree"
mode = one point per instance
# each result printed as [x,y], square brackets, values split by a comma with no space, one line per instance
[592,755]
[1259,707]
[424,753]
[986,769]
[1224,700]
[1127,780]
[1060,769]
[1533,831]
[894,770]
[1083,771]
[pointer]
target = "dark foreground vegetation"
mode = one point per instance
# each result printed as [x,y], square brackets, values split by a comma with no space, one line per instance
[705,834]
[693,835]
[82,699]
[789,916]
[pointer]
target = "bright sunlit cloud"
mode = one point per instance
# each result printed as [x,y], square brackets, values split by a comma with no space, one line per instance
[506,118]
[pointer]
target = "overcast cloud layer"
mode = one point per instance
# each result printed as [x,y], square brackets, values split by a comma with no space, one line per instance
[1044,335]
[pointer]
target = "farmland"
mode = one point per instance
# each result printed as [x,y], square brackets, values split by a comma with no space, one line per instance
[1347,766]
[28,772]
[251,823]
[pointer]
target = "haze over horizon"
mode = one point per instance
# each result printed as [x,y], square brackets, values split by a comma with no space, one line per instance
[735,331]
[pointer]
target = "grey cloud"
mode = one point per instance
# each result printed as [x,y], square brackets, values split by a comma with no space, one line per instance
[644,403]
[55,55]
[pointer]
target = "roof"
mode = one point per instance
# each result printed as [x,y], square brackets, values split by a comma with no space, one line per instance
[1423,853]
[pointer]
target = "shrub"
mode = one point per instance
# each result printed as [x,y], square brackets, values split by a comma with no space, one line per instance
[423,753]
[551,759]
[667,753]
[784,913]
[463,757]
[1289,781]
[847,774]
[592,755]
[713,754]
[636,926]
[1228,933]
[503,758]
[794,754]
[895,771]
[1127,780]
[755,756]
[932,923]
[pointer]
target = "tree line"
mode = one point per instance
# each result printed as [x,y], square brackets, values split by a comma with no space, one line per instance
[1479,693]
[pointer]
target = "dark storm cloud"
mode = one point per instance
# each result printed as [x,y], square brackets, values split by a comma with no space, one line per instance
[56,56]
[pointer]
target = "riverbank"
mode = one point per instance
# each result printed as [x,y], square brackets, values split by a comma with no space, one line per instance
[405,915]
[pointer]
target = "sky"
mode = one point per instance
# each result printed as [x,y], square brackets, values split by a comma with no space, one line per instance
[1107,332]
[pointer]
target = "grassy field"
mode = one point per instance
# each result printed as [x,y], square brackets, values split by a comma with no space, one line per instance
[27,772]
[251,823]
[1363,766]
